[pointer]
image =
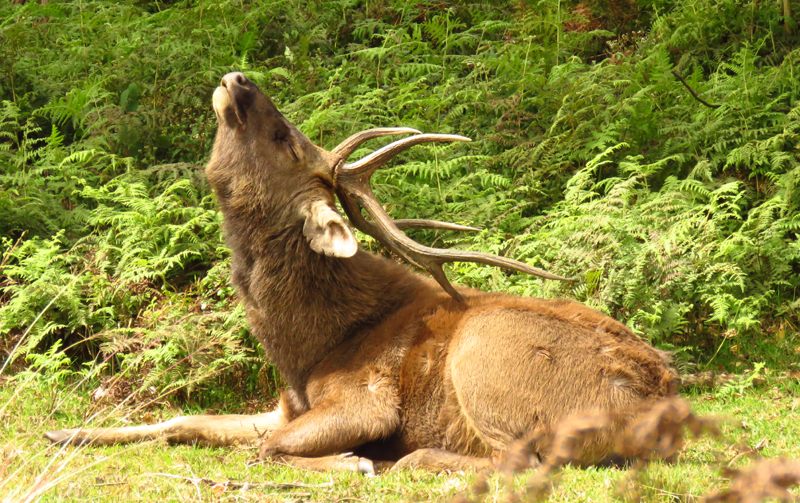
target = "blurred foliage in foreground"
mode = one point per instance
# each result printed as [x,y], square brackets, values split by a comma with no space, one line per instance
[590,158]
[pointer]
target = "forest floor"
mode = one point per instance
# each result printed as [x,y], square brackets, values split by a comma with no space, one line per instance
[757,422]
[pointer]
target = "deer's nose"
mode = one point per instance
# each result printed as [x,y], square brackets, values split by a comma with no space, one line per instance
[234,78]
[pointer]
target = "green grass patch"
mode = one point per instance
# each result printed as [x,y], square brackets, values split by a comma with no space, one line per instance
[758,423]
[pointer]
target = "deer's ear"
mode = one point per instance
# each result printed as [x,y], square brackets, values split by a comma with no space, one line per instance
[327,232]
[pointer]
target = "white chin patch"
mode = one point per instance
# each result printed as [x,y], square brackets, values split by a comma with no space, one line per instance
[221,101]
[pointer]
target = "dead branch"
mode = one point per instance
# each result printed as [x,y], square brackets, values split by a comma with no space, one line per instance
[698,98]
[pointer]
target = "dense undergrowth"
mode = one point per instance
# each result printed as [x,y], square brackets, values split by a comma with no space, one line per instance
[589,157]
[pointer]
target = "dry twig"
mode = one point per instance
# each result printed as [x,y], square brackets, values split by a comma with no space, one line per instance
[694,94]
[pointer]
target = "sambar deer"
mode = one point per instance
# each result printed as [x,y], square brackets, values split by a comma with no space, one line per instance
[379,360]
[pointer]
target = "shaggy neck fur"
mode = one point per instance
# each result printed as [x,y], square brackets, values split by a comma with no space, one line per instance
[300,304]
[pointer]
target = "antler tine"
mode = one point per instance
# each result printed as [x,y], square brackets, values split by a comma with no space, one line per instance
[359,222]
[348,146]
[428,258]
[420,223]
[352,184]
[375,160]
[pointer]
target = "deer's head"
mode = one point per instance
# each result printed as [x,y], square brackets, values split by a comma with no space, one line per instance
[261,160]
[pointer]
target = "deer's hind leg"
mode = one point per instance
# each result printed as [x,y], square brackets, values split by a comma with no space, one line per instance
[209,430]
[439,460]
[534,372]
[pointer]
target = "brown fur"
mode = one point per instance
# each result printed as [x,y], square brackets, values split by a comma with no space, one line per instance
[379,359]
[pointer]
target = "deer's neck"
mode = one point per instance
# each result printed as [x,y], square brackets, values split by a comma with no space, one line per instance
[300,304]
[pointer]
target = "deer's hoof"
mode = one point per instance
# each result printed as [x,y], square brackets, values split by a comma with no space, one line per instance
[366,467]
[60,436]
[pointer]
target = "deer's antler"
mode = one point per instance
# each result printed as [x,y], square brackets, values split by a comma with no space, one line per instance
[353,188]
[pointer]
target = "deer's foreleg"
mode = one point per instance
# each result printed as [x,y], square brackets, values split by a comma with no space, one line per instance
[350,417]
[340,462]
[215,431]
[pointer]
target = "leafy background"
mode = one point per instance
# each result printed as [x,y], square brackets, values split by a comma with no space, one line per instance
[589,158]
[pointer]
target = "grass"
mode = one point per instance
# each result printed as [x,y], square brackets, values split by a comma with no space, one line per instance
[30,469]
